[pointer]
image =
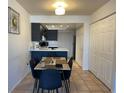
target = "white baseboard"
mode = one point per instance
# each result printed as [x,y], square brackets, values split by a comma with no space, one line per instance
[81,66]
[78,63]
[18,82]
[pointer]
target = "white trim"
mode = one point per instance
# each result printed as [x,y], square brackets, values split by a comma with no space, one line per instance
[59,19]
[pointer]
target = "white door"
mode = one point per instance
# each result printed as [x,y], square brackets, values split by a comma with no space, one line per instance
[102,38]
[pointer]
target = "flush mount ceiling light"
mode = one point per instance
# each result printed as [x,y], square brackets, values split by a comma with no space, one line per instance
[53,26]
[61,25]
[60,8]
[60,11]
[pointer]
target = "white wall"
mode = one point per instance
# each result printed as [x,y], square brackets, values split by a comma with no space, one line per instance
[79,45]
[86,46]
[18,54]
[102,44]
[65,40]
[82,46]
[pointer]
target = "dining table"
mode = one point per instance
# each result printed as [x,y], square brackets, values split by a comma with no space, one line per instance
[57,63]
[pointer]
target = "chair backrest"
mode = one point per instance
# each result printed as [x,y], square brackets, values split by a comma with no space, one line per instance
[35,73]
[50,79]
[70,63]
[67,73]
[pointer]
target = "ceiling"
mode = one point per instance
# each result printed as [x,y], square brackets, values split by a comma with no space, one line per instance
[62,26]
[74,7]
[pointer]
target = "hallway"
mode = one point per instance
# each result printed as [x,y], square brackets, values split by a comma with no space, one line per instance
[81,82]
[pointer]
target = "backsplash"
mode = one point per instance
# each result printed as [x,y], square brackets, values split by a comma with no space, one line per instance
[53,43]
[35,44]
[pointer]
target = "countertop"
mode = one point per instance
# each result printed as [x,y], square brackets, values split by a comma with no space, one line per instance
[48,49]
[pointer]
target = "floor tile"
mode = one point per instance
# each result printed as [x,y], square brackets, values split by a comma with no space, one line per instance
[22,91]
[84,92]
[94,88]
[97,92]
[90,83]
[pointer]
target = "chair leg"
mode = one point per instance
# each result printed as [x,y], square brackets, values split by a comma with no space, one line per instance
[57,90]
[69,83]
[67,86]
[48,91]
[65,83]
[53,91]
[42,91]
[38,89]
[35,82]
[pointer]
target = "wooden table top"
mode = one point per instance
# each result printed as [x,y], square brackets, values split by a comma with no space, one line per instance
[51,63]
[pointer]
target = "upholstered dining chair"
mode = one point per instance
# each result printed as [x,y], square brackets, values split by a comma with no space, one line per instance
[35,73]
[50,79]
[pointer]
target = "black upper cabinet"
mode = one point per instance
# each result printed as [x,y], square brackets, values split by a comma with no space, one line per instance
[52,35]
[37,30]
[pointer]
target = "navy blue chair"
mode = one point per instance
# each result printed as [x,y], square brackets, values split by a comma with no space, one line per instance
[35,73]
[70,63]
[50,79]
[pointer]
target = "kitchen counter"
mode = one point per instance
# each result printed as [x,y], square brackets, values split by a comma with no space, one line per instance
[48,49]
[38,53]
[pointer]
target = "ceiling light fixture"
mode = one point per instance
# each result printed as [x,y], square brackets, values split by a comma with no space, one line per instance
[53,26]
[60,11]
[61,25]
[60,8]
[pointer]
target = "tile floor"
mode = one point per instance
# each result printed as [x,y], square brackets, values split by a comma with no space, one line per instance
[81,82]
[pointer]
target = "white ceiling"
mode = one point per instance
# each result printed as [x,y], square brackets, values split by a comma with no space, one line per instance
[74,7]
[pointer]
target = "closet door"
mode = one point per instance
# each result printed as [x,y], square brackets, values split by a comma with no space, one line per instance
[102,47]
